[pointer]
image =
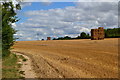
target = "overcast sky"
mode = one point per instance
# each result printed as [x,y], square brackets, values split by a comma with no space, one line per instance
[59,19]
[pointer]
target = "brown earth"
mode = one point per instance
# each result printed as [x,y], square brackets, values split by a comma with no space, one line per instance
[72,58]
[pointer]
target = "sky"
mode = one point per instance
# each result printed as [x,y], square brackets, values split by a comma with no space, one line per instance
[39,20]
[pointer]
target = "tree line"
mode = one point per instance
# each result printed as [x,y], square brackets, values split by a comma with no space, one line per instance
[112,33]
[109,33]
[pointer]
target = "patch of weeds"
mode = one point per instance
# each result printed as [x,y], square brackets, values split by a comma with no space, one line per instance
[23,59]
[22,72]
[19,65]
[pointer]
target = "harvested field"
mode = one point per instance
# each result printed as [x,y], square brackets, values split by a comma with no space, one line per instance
[83,58]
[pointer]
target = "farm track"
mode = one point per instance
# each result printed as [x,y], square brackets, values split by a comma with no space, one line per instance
[72,58]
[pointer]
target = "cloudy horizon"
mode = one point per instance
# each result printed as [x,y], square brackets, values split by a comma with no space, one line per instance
[59,19]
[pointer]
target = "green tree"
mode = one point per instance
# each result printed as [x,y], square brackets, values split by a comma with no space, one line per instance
[67,37]
[112,33]
[88,36]
[8,17]
[83,35]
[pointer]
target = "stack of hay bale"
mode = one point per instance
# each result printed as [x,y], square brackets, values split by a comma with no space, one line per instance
[100,33]
[97,34]
[94,34]
[48,38]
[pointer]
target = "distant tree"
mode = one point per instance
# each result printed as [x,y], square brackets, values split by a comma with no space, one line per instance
[8,17]
[112,33]
[78,37]
[88,36]
[62,38]
[83,35]
[67,37]
[54,39]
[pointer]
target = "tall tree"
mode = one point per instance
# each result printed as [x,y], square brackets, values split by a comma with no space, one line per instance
[8,17]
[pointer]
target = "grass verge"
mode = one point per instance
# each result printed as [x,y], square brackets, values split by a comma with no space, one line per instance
[10,68]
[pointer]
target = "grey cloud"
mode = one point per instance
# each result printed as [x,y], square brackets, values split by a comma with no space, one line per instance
[70,21]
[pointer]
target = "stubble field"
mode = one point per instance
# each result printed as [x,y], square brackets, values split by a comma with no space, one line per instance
[83,58]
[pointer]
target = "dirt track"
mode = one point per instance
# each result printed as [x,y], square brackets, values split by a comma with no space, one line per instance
[72,58]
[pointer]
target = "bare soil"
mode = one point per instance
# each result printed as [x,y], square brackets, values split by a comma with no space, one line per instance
[83,58]
[26,66]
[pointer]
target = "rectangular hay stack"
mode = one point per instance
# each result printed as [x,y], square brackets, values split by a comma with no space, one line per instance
[97,34]
[48,38]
